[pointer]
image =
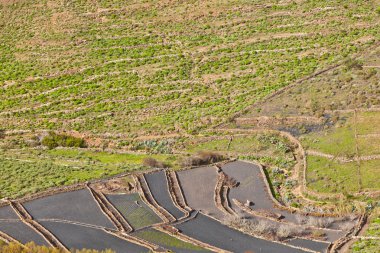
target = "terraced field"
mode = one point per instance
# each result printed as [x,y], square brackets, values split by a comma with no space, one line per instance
[11,225]
[142,66]
[202,228]
[80,237]
[159,90]
[134,210]
[168,242]
[80,218]
[157,183]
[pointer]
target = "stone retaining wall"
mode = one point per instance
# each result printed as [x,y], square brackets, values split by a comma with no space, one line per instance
[113,215]
[175,193]
[8,239]
[147,197]
[337,245]
[28,220]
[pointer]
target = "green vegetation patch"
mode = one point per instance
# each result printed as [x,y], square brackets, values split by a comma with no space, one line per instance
[106,157]
[368,245]
[135,211]
[30,170]
[325,175]
[331,176]
[156,76]
[20,177]
[370,174]
[338,141]
[53,140]
[368,122]
[167,241]
[369,145]
[263,144]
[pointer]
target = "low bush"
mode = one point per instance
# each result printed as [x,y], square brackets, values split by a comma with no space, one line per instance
[202,158]
[264,227]
[319,222]
[32,248]
[53,140]
[153,163]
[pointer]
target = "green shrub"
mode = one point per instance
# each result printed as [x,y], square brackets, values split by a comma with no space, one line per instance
[54,140]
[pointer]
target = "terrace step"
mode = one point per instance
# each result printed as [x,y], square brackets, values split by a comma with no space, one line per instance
[175,232]
[260,213]
[176,192]
[153,247]
[112,213]
[147,196]
[221,193]
[8,239]
[26,218]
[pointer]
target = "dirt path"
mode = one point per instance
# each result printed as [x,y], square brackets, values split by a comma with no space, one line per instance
[342,158]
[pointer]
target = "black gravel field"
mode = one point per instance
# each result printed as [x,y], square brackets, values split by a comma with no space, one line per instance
[157,184]
[76,206]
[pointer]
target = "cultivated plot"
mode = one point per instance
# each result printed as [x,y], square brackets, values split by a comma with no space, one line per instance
[21,232]
[79,237]
[251,187]
[6,213]
[77,206]
[168,242]
[11,225]
[198,187]
[157,184]
[134,210]
[216,234]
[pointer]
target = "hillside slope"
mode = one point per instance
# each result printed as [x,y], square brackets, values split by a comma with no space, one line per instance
[157,67]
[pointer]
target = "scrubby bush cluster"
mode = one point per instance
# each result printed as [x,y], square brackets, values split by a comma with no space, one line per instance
[154,147]
[153,163]
[264,228]
[319,222]
[53,140]
[202,158]
[32,248]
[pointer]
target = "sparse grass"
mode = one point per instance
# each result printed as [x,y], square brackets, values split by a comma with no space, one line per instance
[166,240]
[370,174]
[136,212]
[333,176]
[263,144]
[369,145]
[215,145]
[345,87]
[20,177]
[27,171]
[368,123]
[338,141]
[324,175]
